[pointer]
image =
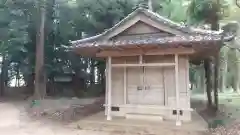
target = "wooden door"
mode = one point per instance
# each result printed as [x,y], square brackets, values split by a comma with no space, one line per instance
[117,86]
[153,93]
[134,85]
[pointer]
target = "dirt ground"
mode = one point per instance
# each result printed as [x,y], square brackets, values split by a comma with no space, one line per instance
[14,120]
[229,109]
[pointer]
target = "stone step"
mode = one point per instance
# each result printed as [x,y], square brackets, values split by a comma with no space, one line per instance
[139,116]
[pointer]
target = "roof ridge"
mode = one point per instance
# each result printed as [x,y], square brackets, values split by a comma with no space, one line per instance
[157,17]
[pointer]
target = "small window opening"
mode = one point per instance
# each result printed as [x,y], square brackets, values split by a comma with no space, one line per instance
[174,112]
[181,112]
[115,109]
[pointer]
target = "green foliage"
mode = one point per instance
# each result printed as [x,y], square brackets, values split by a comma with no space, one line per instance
[173,9]
[65,20]
[73,19]
[96,16]
[207,11]
[13,27]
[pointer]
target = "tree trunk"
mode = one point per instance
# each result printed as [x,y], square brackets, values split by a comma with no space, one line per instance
[51,86]
[102,68]
[208,81]
[40,77]
[18,77]
[202,80]
[216,83]
[215,26]
[236,72]
[198,79]
[92,71]
[77,85]
[224,70]
[30,83]
[4,75]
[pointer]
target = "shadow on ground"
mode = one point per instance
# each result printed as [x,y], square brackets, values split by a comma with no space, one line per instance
[73,111]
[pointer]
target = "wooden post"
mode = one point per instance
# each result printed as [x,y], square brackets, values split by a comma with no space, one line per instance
[189,92]
[142,74]
[165,88]
[109,117]
[106,92]
[178,122]
[140,59]
[125,83]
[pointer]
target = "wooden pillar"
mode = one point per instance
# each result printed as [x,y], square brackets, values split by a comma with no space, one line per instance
[188,81]
[140,59]
[106,88]
[125,83]
[109,92]
[178,122]
[142,74]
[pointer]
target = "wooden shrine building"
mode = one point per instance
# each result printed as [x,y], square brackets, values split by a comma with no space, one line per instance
[147,65]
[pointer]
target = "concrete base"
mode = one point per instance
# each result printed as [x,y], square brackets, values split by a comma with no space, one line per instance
[109,118]
[178,123]
[149,117]
[121,125]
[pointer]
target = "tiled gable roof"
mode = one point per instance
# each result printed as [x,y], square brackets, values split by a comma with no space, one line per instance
[192,33]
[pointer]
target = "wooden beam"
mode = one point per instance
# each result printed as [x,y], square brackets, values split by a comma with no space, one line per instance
[168,51]
[151,107]
[114,53]
[145,65]
[118,48]
[152,51]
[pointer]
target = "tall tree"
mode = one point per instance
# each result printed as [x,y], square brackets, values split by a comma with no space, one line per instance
[13,24]
[40,78]
[208,12]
